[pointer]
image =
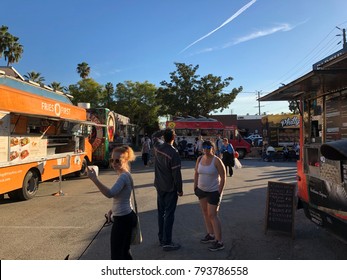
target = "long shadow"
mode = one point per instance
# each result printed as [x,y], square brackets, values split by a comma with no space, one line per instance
[242,216]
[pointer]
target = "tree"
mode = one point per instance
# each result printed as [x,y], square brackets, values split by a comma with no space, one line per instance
[107,98]
[57,86]
[3,39]
[294,106]
[83,70]
[10,47]
[137,101]
[86,91]
[35,77]
[188,94]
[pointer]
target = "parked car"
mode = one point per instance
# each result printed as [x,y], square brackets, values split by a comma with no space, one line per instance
[257,142]
[252,136]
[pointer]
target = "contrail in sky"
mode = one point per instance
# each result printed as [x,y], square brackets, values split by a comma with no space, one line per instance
[239,12]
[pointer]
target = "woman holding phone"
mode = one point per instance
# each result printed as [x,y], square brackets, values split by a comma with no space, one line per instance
[122,214]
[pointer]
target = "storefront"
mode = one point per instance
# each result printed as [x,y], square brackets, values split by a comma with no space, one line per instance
[281,130]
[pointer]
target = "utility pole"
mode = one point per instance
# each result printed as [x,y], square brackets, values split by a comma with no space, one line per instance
[258,93]
[344,43]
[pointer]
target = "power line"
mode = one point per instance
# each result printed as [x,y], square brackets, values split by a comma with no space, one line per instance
[324,48]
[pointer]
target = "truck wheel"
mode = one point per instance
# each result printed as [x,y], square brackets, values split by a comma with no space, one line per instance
[29,187]
[242,153]
[83,171]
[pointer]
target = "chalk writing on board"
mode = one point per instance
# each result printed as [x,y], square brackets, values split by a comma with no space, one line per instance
[280,207]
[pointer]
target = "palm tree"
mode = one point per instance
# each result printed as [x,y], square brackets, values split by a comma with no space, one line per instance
[83,70]
[57,86]
[3,38]
[35,77]
[10,47]
[14,51]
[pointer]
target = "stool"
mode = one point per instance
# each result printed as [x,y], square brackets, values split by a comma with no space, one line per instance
[60,167]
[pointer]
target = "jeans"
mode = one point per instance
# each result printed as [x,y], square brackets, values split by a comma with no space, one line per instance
[166,202]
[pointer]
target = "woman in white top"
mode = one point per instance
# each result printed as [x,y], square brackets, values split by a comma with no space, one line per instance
[209,181]
[122,214]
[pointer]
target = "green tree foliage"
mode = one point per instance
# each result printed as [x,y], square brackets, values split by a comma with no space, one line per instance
[293,106]
[86,91]
[10,47]
[83,70]
[188,94]
[137,101]
[108,96]
[57,86]
[35,77]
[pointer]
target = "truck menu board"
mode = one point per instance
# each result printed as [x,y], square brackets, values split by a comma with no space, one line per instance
[22,148]
[336,115]
[344,116]
[280,207]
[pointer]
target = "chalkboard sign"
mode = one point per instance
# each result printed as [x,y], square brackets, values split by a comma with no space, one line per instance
[280,207]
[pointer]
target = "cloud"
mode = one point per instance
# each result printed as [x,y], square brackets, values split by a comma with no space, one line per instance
[284,27]
[239,12]
[261,33]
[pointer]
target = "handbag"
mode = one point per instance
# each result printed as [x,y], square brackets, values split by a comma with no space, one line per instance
[136,234]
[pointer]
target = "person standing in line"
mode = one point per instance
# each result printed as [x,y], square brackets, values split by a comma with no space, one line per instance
[227,152]
[219,144]
[209,182]
[198,146]
[168,183]
[122,214]
[146,149]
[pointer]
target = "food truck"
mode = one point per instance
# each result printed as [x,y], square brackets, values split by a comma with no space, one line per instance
[281,130]
[40,130]
[208,128]
[110,130]
[322,167]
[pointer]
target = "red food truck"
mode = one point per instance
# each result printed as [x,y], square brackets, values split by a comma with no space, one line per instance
[208,128]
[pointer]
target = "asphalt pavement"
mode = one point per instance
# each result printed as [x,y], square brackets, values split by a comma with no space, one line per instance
[243,221]
[51,228]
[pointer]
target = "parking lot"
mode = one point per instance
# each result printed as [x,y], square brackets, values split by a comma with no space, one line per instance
[51,228]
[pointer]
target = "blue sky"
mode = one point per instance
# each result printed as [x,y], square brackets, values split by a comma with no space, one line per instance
[260,43]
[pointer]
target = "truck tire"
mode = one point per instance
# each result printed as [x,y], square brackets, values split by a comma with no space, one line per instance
[242,153]
[29,187]
[83,171]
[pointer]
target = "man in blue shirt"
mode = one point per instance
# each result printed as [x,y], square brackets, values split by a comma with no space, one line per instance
[227,152]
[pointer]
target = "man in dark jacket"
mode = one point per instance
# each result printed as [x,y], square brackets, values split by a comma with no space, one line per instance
[168,182]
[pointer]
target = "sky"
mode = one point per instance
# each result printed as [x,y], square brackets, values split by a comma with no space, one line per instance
[261,44]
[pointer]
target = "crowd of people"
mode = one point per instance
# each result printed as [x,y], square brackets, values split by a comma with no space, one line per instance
[213,161]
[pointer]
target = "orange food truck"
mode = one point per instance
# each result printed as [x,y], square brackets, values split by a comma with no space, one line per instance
[40,129]
[208,128]
[322,167]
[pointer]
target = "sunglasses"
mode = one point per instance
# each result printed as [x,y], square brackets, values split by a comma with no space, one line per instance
[117,160]
[207,147]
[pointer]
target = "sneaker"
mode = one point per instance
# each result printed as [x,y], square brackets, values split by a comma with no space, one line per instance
[216,246]
[171,247]
[207,239]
